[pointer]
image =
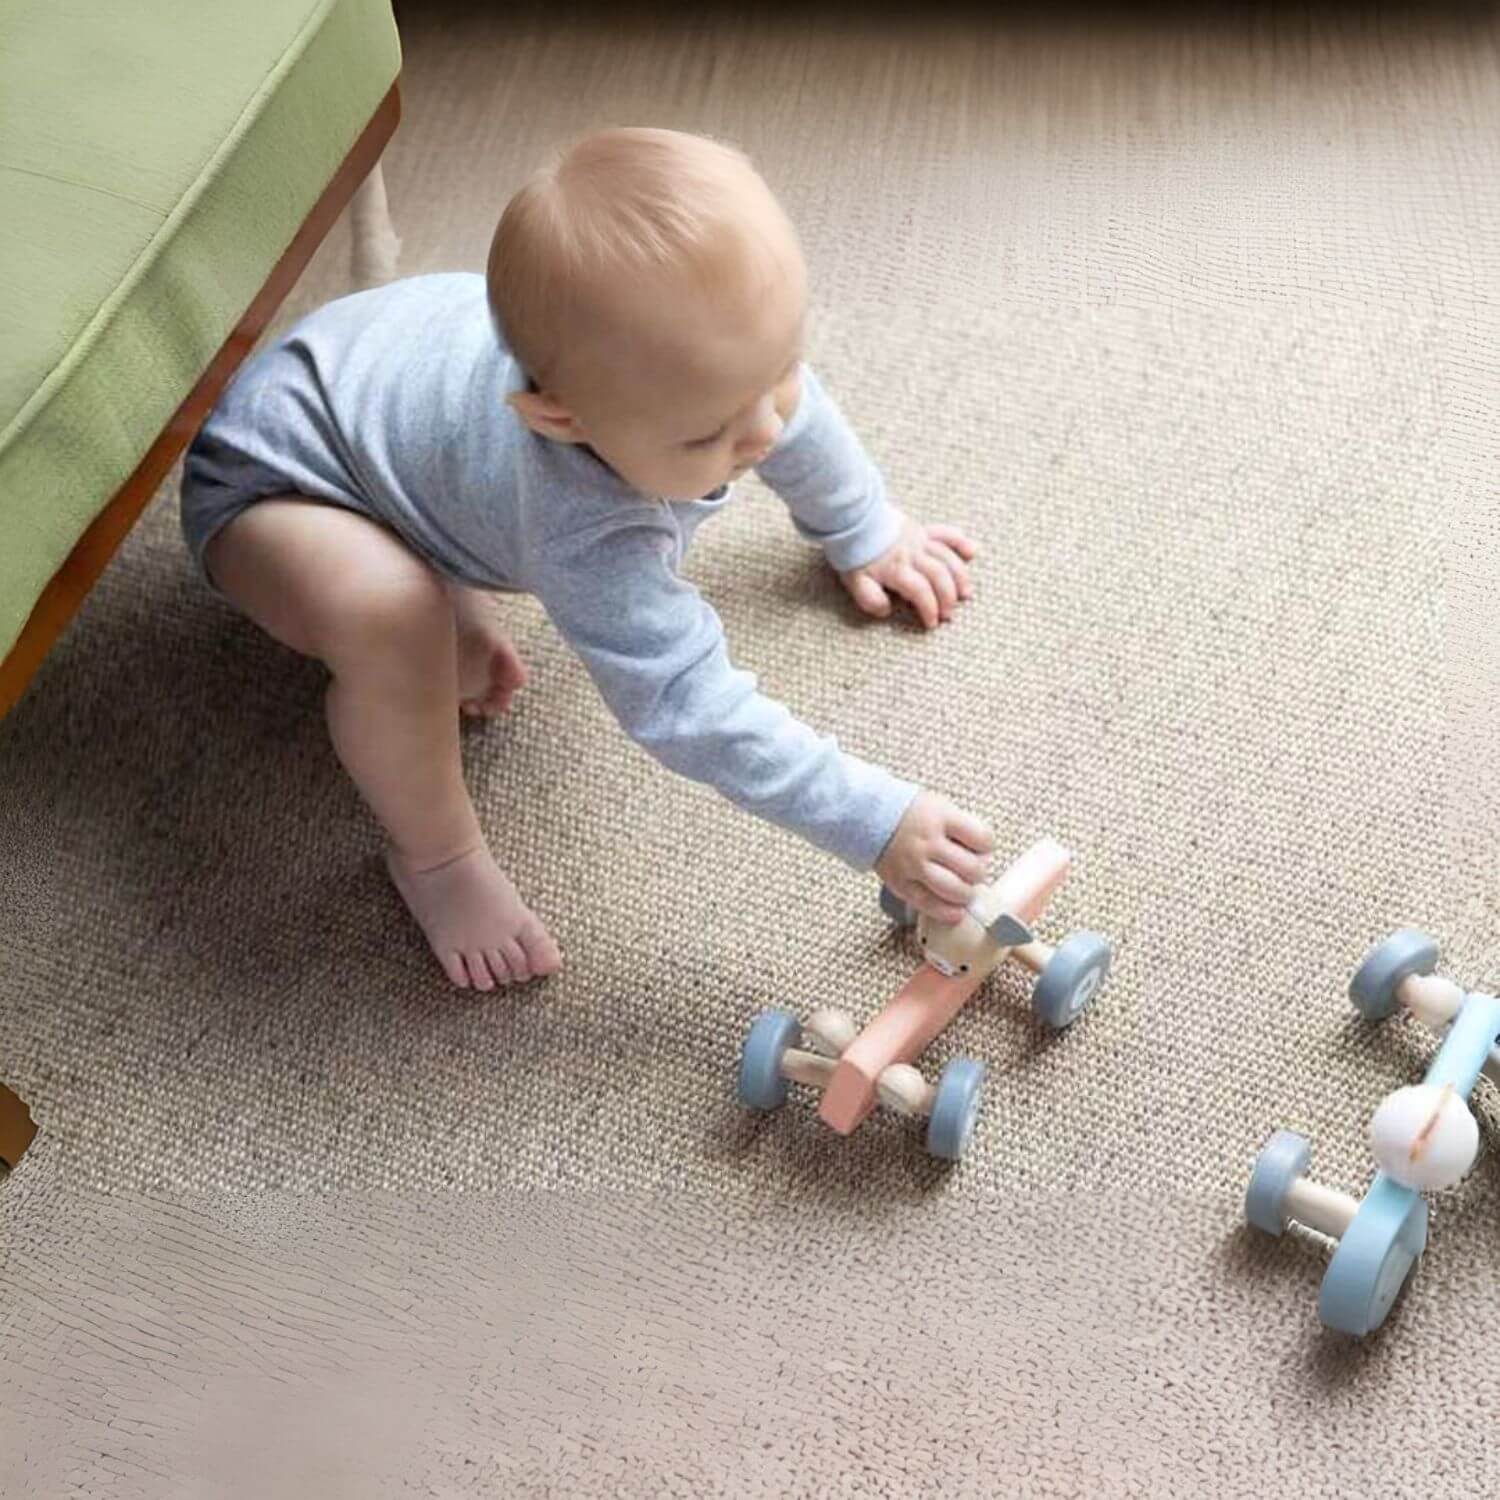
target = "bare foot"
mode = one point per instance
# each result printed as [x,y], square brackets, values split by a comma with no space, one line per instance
[479,929]
[489,671]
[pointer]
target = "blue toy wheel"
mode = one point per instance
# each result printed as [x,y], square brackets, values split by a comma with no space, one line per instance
[1282,1160]
[1374,1258]
[955,1109]
[896,909]
[1402,954]
[1071,980]
[761,1084]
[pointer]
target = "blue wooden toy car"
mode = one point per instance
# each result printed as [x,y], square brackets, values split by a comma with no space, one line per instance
[1423,1138]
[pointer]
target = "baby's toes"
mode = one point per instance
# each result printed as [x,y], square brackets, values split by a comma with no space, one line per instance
[479,971]
[497,700]
[516,960]
[542,952]
[507,670]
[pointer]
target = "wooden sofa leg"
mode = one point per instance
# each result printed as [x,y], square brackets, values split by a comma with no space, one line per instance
[376,250]
[16,1129]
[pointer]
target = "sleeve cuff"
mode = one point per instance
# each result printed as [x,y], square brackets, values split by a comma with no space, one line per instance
[875,535]
[862,848]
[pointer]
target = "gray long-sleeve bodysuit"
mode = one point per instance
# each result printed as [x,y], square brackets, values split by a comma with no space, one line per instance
[391,403]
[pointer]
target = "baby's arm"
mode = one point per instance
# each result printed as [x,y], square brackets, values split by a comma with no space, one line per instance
[655,649]
[837,498]
[831,486]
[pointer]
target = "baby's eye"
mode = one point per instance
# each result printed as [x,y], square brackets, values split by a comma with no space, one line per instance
[709,441]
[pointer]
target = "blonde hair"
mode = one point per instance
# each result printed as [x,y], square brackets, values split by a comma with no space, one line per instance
[614,209]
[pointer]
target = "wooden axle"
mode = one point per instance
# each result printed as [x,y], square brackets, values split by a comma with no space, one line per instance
[1435,1001]
[830,1030]
[900,1087]
[1324,1209]
[1035,956]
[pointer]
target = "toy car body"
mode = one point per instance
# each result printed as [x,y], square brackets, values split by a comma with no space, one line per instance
[856,1069]
[1383,1235]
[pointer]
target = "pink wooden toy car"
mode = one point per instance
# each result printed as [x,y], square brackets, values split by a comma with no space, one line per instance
[856,1069]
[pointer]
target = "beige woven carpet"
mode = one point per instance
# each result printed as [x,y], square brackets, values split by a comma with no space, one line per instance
[1192,320]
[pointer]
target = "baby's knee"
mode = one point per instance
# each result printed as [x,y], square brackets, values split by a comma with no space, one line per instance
[400,608]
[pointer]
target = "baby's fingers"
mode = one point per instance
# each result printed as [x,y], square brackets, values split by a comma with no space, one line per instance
[969,831]
[917,590]
[964,863]
[937,573]
[958,569]
[930,904]
[946,885]
[868,594]
[951,536]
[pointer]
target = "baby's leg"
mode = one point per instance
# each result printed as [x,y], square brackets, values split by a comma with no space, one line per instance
[489,670]
[335,586]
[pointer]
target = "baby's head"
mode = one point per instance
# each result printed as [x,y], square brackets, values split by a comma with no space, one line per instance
[654,292]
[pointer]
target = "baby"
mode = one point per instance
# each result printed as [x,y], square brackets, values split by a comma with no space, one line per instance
[562,426]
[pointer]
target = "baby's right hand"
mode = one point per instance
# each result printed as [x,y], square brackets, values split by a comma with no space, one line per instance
[936,857]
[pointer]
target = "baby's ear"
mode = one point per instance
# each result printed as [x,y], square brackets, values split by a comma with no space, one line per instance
[545,415]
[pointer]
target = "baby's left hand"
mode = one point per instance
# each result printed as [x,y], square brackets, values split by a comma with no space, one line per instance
[927,567]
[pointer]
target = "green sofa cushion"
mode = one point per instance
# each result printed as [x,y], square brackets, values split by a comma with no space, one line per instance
[156,159]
